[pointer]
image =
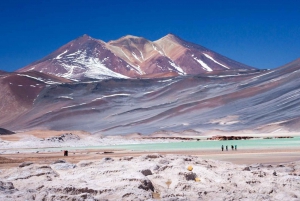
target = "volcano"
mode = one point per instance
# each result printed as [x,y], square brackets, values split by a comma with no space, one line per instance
[132,57]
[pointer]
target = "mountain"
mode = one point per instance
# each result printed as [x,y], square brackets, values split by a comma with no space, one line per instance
[132,57]
[257,100]
[69,90]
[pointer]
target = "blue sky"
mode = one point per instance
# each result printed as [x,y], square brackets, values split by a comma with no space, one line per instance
[262,34]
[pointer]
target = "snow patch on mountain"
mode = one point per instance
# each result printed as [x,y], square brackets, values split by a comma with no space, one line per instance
[142,55]
[93,66]
[215,61]
[134,55]
[124,53]
[39,79]
[181,72]
[112,95]
[204,65]
[155,48]
[137,69]
[60,55]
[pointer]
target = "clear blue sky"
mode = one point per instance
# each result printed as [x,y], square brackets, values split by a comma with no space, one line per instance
[263,34]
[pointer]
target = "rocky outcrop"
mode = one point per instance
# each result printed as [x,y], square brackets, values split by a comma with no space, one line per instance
[172,138]
[4,131]
[146,172]
[223,137]
[6,188]
[25,164]
[146,185]
[63,138]
[219,137]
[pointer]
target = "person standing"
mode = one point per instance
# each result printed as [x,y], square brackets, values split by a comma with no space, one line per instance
[226,147]
[232,147]
[222,147]
[235,147]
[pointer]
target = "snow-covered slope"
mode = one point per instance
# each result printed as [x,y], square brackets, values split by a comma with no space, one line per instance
[81,58]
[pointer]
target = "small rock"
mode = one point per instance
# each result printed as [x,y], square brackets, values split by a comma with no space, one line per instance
[146,172]
[190,176]
[146,185]
[59,161]
[64,166]
[85,164]
[108,152]
[127,158]
[246,169]
[25,164]
[163,161]
[6,186]
[153,156]
[40,187]
[274,173]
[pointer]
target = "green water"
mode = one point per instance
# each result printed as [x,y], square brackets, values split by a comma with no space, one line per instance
[203,144]
[213,145]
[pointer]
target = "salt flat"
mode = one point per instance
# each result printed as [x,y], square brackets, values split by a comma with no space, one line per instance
[150,177]
[32,167]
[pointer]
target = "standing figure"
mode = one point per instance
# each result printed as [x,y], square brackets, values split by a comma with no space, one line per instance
[232,147]
[226,148]
[222,147]
[235,147]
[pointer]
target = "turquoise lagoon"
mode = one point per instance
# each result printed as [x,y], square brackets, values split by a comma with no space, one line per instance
[287,143]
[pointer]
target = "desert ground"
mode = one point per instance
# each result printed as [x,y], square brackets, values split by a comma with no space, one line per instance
[30,171]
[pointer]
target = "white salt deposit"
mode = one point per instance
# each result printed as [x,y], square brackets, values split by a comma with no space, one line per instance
[150,177]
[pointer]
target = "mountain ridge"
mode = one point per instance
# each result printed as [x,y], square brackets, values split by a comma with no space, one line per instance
[227,101]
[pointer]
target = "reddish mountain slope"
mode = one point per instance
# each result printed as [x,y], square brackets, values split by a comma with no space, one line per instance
[195,59]
[18,91]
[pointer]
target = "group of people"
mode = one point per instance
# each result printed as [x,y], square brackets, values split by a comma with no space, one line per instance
[226,147]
